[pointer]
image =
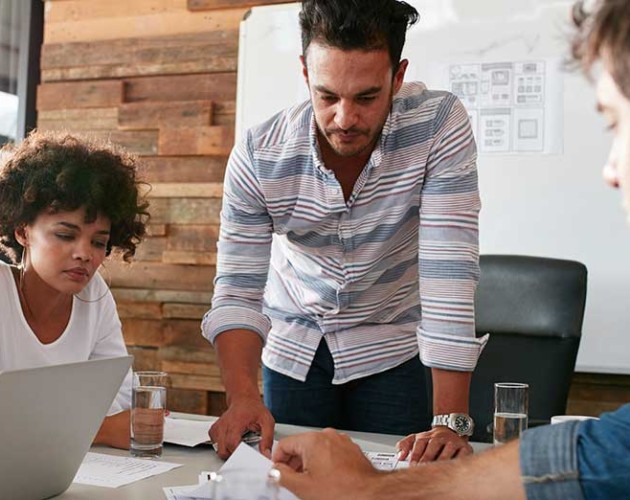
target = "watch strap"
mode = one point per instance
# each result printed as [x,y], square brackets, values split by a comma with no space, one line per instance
[449,420]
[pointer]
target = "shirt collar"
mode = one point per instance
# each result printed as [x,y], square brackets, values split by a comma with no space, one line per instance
[375,158]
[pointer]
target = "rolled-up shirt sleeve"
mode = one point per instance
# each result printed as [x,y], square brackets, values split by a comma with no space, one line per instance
[243,251]
[603,451]
[549,465]
[449,245]
[578,459]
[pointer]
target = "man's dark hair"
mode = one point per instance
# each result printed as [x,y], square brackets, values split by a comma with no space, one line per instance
[58,172]
[604,34]
[357,24]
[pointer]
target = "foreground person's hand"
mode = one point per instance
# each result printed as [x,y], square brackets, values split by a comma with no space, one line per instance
[324,464]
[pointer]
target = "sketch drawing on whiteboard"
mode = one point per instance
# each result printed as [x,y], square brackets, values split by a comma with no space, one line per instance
[507,103]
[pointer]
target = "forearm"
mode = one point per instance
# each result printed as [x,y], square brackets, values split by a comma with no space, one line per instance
[239,353]
[494,474]
[115,431]
[451,390]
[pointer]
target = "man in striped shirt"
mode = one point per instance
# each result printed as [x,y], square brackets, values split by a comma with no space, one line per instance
[349,247]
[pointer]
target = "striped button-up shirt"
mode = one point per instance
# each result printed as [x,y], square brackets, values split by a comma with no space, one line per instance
[383,276]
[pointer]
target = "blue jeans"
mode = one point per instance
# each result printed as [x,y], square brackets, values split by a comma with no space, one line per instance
[576,460]
[392,402]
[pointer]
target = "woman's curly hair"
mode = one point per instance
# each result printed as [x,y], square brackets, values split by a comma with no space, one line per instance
[58,172]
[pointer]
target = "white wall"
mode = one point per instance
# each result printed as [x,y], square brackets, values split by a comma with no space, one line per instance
[546,204]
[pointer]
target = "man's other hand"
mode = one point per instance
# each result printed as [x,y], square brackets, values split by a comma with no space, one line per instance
[439,443]
[244,414]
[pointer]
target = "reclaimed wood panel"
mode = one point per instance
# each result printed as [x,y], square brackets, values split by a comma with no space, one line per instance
[183,141]
[156,229]
[186,190]
[78,119]
[161,276]
[216,63]
[184,333]
[217,87]
[217,403]
[192,238]
[150,250]
[148,50]
[224,113]
[187,401]
[117,22]
[143,115]
[140,310]
[145,358]
[192,258]
[185,210]
[197,382]
[77,10]
[143,332]
[138,142]
[191,368]
[93,94]
[184,296]
[197,5]
[183,169]
[188,354]
[184,311]
[209,52]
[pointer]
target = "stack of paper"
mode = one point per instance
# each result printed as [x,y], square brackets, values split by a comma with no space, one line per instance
[244,458]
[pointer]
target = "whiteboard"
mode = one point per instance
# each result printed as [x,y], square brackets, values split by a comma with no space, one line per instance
[542,194]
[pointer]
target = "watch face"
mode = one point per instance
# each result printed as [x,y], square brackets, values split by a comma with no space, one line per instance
[462,424]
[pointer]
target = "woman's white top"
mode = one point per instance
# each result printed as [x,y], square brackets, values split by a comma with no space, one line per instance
[93,331]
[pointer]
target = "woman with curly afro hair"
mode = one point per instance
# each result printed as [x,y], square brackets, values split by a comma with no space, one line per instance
[65,204]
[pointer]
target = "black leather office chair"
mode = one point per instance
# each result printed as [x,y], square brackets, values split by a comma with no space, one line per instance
[533,308]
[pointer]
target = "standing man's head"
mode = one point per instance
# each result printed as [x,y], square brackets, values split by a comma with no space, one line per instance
[351,62]
[604,36]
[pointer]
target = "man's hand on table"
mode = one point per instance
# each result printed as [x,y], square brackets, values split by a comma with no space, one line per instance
[439,443]
[244,414]
[324,464]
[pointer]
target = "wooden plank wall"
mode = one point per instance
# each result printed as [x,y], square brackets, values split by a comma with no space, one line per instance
[159,78]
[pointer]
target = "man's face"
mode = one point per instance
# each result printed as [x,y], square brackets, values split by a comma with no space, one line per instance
[351,92]
[616,110]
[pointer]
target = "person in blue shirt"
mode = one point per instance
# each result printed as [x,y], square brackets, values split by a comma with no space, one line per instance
[578,459]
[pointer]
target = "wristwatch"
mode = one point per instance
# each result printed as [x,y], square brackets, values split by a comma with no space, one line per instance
[461,423]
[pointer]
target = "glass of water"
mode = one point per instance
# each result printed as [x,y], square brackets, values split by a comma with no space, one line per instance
[510,411]
[148,406]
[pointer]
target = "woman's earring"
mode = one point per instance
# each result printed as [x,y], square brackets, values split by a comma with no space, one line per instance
[22,266]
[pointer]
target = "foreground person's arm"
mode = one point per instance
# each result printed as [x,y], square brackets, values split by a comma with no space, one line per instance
[321,465]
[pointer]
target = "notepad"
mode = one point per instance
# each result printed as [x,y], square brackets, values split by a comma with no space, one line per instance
[186,432]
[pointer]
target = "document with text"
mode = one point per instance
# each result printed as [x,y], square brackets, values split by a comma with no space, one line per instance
[110,471]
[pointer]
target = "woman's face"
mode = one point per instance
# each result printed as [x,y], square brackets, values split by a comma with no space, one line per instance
[63,249]
[615,107]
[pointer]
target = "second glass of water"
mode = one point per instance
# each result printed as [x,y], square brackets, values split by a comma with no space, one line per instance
[510,411]
[148,405]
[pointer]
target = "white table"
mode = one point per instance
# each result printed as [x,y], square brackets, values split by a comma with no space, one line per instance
[202,458]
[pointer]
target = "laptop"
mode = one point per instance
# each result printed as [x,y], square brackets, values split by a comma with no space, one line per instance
[48,419]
